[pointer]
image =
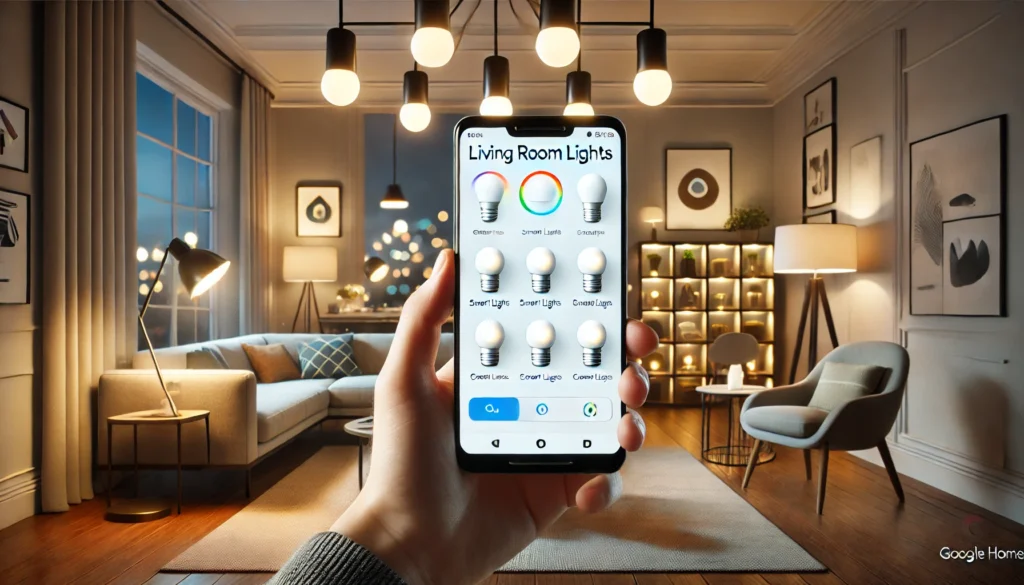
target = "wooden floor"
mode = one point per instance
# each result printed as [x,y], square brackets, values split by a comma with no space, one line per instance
[865,537]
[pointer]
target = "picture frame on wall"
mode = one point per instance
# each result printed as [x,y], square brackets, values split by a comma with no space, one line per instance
[820,106]
[866,178]
[820,168]
[698,188]
[13,136]
[318,211]
[15,242]
[957,221]
[822,217]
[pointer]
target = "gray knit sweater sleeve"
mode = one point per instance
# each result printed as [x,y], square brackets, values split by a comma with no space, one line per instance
[330,558]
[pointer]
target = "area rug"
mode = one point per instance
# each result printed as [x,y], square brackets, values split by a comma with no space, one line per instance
[675,516]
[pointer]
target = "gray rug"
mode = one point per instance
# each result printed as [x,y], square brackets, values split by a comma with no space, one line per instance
[675,516]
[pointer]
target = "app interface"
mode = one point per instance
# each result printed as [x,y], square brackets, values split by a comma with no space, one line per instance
[541,311]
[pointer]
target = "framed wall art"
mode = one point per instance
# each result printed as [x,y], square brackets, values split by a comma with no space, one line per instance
[820,168]
[823,217]
[318,209]
[820,106]
[866,178]
[13,136]
[698,188]
[15,238]
[957,221]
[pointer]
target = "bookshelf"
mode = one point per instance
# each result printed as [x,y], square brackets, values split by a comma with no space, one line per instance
[692,293]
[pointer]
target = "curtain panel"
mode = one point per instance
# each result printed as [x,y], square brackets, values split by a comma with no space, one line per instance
[254,244]
[88,225]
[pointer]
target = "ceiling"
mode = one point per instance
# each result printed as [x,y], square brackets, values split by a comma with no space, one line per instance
[721,52]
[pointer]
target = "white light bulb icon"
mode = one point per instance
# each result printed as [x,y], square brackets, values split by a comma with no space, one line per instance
[592,190]
[489,262]
[541,192]
[489,188]
[591,263]
[541,336]
[489,336]
[541,263]
[591,336]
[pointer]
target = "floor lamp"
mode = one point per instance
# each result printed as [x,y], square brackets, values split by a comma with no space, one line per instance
[814,249]
[308,265]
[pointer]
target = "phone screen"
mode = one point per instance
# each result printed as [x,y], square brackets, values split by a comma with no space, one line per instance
[540,317]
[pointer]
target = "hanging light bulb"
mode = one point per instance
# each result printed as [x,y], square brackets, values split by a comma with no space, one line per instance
[393,197]
[577,94]
[557,44]
[652,84]
[415,112]
[340,84]
[432,43]
[496,100]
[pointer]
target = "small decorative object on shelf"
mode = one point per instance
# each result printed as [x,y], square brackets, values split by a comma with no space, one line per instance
[720,267]
[688,297]
[688,266]
[755,296]
[755,328]
[655,263]
[718,329]
[748,221]
[721,300]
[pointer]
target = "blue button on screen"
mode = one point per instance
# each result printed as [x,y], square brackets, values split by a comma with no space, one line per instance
[494,409]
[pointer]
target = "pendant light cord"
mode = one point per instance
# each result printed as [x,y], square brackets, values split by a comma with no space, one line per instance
[579,34]
[495,27]
[652,13]
[394,150]
[341,13]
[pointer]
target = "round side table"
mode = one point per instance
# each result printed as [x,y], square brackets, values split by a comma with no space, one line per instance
[738,444]
[363,429]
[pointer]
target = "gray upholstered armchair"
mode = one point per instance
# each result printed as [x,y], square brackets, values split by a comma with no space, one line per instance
[782,416]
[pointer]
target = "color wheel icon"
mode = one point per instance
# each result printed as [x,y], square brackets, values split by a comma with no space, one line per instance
[540,193]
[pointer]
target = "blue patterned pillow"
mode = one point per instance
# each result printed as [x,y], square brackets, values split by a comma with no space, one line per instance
[328,358]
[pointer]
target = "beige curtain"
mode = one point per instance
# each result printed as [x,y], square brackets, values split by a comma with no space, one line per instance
[88,228]
[255,208]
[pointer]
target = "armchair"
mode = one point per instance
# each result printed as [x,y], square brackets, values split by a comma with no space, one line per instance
[781,416]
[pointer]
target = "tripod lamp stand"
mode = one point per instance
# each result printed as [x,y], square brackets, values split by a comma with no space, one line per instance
[814,249]
[309,264]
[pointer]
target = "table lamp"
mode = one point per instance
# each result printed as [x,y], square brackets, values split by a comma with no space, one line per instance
[814,249]
[653,216]
[309,264]
[199,270]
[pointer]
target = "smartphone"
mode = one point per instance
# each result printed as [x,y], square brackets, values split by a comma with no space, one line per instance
[540,304]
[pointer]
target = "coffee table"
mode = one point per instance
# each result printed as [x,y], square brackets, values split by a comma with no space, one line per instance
[362,428]
[738,444]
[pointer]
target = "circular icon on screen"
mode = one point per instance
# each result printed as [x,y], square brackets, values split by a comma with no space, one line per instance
[540,193]
[590,410]
[542,409]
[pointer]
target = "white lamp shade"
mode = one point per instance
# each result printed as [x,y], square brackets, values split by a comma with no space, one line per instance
[310,264]
[652,214]
[809,248]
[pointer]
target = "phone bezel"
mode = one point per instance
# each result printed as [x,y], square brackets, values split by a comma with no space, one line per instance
[555,463]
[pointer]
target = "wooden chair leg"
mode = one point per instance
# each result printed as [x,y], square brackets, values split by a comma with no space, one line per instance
[752,463]
[807,463]
[883,450]
[822,477]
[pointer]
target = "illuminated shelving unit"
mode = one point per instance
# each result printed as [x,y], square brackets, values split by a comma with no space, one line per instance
[692,293]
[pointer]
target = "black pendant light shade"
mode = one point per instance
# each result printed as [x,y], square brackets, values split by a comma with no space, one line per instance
[340,83]
[375,269]
[651,49]
[432,14]
[496,76]
[341,49]
[577,94]
[394,198]
[414,88]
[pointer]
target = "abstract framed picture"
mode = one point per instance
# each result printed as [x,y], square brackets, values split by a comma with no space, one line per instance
[820,106]
[823,217]
[698,188]
[866,178]
[820,168]
[957,221]
[318,209]
[14,247]
[13,136]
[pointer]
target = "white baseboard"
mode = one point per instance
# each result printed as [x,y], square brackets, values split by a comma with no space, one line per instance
[18,497]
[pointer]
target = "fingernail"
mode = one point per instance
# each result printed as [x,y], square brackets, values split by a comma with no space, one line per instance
[439,263]
[642,372]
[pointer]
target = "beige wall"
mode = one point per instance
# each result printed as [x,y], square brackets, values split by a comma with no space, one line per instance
[20,45]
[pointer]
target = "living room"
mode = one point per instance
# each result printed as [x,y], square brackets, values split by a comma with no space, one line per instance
[209,237]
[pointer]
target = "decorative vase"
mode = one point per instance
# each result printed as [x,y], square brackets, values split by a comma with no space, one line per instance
[749,236]
[687,296]
[734,380]
[688,268]
[655,262]
[753,264]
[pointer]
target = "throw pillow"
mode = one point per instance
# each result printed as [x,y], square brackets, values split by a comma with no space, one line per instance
[271,363]
[205,359]
[328,358]
[841,383]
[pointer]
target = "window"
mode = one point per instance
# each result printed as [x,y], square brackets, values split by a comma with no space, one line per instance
[175,166]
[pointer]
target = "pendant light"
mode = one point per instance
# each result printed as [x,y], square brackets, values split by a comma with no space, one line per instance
[393,197]
[557,43]
[496,80]
[577,91]
[340,84]
[432,44]
[652,84]
[415,112]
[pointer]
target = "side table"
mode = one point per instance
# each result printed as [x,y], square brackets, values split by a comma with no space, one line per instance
[363,429]
[738,445]
[135,511]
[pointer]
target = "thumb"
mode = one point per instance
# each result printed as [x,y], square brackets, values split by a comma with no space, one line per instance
[414,349]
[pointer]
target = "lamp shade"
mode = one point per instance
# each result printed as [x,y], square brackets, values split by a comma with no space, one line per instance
[815,248]
[199,269]
[310,264]
[652,215]
[375,269]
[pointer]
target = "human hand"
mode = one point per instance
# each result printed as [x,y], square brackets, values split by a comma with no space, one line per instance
[431,522]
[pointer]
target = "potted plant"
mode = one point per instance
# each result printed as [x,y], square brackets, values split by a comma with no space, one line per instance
[688,268]
[748,221]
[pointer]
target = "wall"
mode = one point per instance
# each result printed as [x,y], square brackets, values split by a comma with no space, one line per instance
[21,46]
[961,426]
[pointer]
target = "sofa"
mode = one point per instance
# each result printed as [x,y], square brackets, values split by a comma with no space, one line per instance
[248,420]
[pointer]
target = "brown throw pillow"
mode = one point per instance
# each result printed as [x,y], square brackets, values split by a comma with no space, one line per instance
[271,363]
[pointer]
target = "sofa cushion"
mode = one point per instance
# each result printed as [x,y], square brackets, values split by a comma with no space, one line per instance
[272,363]
[788,421]
[232,352]
[293,342]
[327,358]
[371,350]
[353,392]
[840,383]
[281,406]
[206,358]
